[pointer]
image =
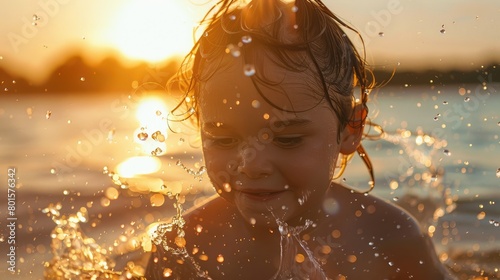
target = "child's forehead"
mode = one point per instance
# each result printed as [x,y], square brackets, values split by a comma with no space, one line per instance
[285,87]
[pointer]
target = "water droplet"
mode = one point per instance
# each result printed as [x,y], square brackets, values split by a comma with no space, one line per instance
[295,26]
[381,34]
[157,136]
[181,141]
[467,99]
[498,173]
[447,152]
[52,171]
[156,151]
[82,79]
[220,258]
[249,70]
[498,123]
[232,17]
[233,50]
[436,118]
[158,113]
[301,201]
[395,198]
[286,187]
[295,9]
[142,136]
[239,183]
[48,114]
[246,39]
[434,178]
[445,102]
[442,30]
[226,187]
[167,272]
[256,104]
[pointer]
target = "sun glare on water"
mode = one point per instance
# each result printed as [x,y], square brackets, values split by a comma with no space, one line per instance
[150,135]
[152,30]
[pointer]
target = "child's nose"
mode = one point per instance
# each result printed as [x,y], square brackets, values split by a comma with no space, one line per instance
[255,163]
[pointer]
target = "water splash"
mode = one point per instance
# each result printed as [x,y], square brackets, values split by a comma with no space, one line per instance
[289,268]
[77,256]
[196,173]
[177,245]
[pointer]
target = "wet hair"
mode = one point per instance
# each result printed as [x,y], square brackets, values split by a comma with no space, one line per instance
[302,35]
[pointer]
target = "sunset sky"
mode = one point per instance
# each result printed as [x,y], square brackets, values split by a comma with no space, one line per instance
[36,34]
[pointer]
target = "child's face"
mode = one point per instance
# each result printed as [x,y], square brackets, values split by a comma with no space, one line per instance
[268,162]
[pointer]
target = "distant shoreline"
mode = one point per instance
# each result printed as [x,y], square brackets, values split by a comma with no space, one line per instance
[75,75]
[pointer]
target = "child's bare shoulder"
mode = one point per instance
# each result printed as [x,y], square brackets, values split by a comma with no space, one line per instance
[366,210]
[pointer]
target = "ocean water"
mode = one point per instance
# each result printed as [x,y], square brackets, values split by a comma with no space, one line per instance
[439,158]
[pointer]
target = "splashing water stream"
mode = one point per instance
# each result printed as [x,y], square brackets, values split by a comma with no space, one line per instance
[77,256]
[177,247]
[289,243]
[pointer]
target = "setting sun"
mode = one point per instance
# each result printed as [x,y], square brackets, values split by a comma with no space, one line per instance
[152,30]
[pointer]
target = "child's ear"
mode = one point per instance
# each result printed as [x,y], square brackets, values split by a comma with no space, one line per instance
[351,136]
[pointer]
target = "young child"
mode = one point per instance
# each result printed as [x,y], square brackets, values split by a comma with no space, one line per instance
[271,87]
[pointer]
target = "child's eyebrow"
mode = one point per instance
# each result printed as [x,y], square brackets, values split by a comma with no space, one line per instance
[277,123]
[291,122]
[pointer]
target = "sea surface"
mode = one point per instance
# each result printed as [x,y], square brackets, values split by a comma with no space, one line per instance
[108,160]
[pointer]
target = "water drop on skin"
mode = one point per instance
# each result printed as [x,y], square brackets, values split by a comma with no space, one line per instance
[467,99]
[246,39]
[256,104]
[249,70]
[447,152]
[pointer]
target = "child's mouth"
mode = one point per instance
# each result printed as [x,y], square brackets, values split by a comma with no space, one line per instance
[261,196]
